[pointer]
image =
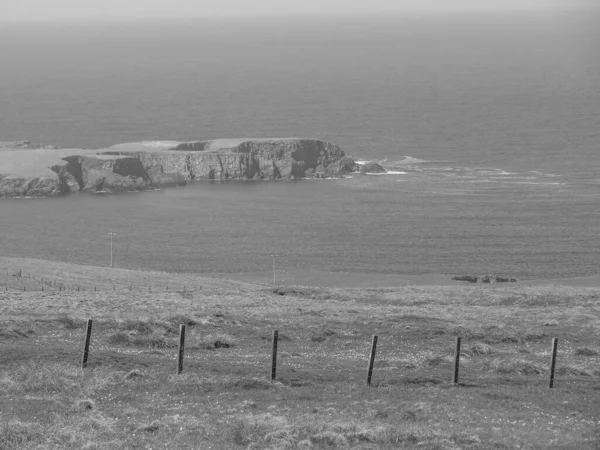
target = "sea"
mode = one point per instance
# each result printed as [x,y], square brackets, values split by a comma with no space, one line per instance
[488,125]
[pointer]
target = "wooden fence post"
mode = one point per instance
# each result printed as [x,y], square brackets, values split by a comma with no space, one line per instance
[371,360]
[456,361]
[553,362]
[180,349]
[86,345]
[274,355]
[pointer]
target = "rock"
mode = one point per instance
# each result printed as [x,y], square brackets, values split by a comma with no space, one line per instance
[469,278]
[371,167]
[31,187]
[342,166]
[485,279]
[31,170]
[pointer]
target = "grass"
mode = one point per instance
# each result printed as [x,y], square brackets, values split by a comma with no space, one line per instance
[131,397]
[71,323]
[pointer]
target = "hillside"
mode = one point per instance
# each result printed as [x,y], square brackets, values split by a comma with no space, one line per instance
[130,396]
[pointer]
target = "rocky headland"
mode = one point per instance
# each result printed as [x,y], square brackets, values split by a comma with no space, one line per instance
[27,170]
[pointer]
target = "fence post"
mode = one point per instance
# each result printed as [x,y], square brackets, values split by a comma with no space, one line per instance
[371,360]
[274,355]
[456,361]
[86,345]
[180,349]
[553,362]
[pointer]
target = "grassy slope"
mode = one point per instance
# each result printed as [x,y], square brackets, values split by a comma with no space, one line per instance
[129,397]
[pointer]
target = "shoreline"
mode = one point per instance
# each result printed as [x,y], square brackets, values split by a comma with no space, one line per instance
[313,278]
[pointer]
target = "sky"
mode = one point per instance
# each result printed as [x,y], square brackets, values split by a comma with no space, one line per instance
[61,10]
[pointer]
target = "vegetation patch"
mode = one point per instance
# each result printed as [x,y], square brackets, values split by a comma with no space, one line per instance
[71,323]
[213,341]
[517,366]
[16,434]
[481,348]
[156,339]
[585,351]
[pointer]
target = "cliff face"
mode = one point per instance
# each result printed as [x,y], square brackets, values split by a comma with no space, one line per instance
[143,165]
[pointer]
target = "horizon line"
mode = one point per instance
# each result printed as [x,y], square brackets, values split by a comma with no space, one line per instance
[302,15]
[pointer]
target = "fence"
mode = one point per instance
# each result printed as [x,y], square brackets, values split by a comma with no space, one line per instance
[18,280]
[454,377]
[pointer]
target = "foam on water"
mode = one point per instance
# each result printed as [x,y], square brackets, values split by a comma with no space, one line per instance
[389,172]
[410,160]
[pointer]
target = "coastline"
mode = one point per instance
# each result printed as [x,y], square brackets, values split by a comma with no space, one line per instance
[87,274]
[34,171]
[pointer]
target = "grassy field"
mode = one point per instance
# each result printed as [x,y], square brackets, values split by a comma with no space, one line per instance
[130,395]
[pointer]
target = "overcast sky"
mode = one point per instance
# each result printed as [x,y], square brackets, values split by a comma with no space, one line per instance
[19,10]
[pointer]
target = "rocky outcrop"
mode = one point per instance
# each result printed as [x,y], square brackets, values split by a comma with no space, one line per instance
[32,187]
[36,171]
[371,167]
[485,279]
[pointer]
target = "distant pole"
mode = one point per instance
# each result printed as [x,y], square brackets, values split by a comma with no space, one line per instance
[273,269]
[112,233]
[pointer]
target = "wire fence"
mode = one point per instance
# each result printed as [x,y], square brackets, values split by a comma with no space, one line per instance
[270,362]
[18,280]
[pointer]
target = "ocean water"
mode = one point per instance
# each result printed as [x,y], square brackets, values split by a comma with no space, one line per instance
[488,124]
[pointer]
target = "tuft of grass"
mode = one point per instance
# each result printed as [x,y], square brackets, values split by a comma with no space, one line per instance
[249,384]
[322,337]
[270,431]
[16,434]
[54,378]
[481,348]
[148,326]
[181,319]
[84,404]
[585,351]
[573,371]
[134,374]
[419,411]
[71,323]
[436,360]
[119,338]
[517,366]
[156,339]
[213,341]
[151,427]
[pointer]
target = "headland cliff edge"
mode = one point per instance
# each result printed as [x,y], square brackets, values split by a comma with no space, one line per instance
[28,170]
